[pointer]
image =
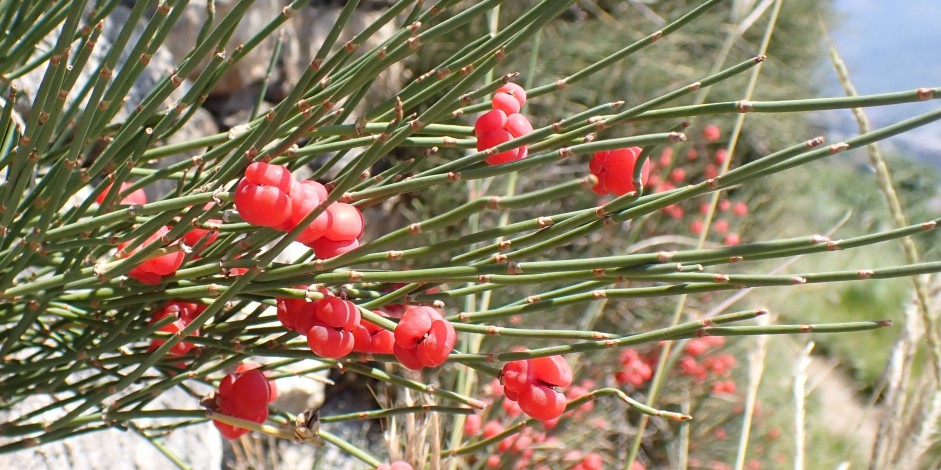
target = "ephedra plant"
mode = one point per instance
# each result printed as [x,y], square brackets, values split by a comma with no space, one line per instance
[264,250]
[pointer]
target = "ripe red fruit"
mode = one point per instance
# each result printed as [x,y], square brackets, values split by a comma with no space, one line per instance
[185,313]
[472,425]
[515,91]
[552,370]
[337,313]
[200,238]
[542,402]
[136,197]
[493,120]
[721,226]
[732,239]
[493,139]
[263,196]
[711,133]
[152,270]
[517,376]
[615,170]
[740,209]
[505,102]
[305,197]
[423,338]
[518,125]
[346,223]
[720,156]
[325,248]
[250,392]
[272,388]
[677,175]
[326,341]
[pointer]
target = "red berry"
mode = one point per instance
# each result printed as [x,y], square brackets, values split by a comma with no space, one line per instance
[362,339]
[666,157]
[517,376]
[517,125]
[263,196]
[505,102]
[553,370]
[711,133]
[721,226]
[337,313]
[288,310]
[493,139]
[136,197]
[346,222]
[305,197]
[515,91]
[677,175]
[151,270]
[250,392]
[413,326]
[325,248]
[620,170]
[472,425]
[382,342]
[493,120]
[330,342]
[305,317]
[541,402]
[740,209]
[437,345]
[725,205]
[732,239]
[200,238]
[407,357]
[720,156]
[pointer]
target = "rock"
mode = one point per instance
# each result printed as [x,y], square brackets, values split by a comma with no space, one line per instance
[251,68]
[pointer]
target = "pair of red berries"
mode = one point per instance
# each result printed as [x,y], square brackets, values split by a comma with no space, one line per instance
[185,313]
[533,383]
[328,323]
[268,196]
[151,271]
[503,124]
[615,170]
[423,338]
[244,394]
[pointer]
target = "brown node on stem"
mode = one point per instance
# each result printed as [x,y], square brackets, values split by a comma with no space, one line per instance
[834,245]
[543,222]
[566,152]
[665,256]
[818,239]
[483,278]
[599,294]
[493,202]
[414,27]
[176,80]
[453,176]
[514,268]
[493,330]
[885,323]
[694,86]
[798,280]
[929,225]
[504,245]
[381,53]
[395,255]
[816,141]
[448,141]
[806,328]
[721,278]
[865,273]
[500,258]
[466,70]
[837,148]
[443,72]
[350,46]
[414,42]
[415,124]
[533,299]
[145,58]
[736,259]
[744,106]
[414,228]
[364,175]
[287,12]
[676,137]
[355,276]
[589,181]
[557,127]
[924,93]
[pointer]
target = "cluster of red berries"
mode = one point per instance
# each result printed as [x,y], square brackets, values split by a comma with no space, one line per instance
[268,196]
[328,323]
[423,338]
[503,124]
[152,270]
[533,383]
[136,197]
[185,313]
[697,364]
[244,394]
[615,170]
[635,370]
